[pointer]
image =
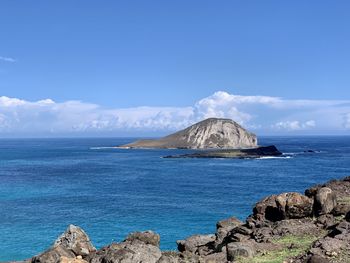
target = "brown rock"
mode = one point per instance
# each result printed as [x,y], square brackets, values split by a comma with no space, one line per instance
[284,206]
[73,242]
[127,252]
[304,226]
[238,249]
[325,201]
[53,255]
[192,243]
[223,227]
[148,237]
[341,209]
[267,209]
[326,220]
[78,259]
[318,259]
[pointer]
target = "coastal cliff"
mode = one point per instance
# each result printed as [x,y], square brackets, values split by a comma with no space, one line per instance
[288,228]
[212,133]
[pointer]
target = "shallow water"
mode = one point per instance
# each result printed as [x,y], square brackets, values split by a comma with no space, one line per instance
[46,184]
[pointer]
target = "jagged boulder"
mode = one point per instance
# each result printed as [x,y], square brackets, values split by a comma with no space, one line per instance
[283,206]
[340,187]
[325,201]
[127,252]
[223,227]
[53,255]
[170,257]
[193,244]
[76,240]
[73,242]
[341,209]
[239,249]
[326,220]
[295,227]
[147,237]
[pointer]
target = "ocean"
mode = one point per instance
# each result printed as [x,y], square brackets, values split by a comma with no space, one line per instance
[47,184]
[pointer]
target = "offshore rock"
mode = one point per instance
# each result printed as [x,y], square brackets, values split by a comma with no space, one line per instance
[263,151]
[212,133]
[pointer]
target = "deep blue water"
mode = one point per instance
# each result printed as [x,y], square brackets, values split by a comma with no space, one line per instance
[46,184]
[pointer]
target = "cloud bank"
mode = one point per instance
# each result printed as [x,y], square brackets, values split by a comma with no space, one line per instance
[7,59]
[261,114]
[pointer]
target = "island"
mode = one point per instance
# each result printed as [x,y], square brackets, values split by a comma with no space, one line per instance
[213,138]
[212,133]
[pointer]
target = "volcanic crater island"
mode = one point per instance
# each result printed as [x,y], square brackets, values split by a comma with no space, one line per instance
[289,227]
[214,138]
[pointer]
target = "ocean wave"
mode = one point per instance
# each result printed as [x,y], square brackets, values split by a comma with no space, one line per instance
[274,157]
[103,147]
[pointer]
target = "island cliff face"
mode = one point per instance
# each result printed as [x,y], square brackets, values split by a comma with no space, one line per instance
[212,133]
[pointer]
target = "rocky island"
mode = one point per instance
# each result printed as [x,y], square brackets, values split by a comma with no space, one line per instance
[212,133]
[221,138]
[285,228]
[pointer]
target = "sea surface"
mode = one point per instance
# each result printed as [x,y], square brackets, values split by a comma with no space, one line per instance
[47,184]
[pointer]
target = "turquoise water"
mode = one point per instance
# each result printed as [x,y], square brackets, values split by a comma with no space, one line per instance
[46,184]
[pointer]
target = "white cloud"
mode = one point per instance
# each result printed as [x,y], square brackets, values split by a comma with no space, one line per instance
[8,102]
[347,121]
[259,113]
[7,59]
[294,125]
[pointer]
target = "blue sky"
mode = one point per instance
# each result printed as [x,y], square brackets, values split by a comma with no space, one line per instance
[121,55]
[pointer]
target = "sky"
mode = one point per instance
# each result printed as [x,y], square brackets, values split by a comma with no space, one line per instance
[146,68]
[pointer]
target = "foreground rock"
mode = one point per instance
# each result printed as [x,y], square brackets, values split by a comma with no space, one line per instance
[283,206]
[74,242]
[211,133]
[288,227]
[129,251]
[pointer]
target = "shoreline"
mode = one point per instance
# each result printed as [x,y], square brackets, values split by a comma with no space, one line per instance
[313,227]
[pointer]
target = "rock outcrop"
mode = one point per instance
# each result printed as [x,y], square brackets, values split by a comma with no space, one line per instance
[129,251]
[74,242]
[283,206]
[212,133]
[289,227]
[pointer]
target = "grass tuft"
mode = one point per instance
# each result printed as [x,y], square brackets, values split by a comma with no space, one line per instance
[289,246]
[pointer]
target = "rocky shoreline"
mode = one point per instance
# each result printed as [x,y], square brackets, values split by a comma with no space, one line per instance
[286,228]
